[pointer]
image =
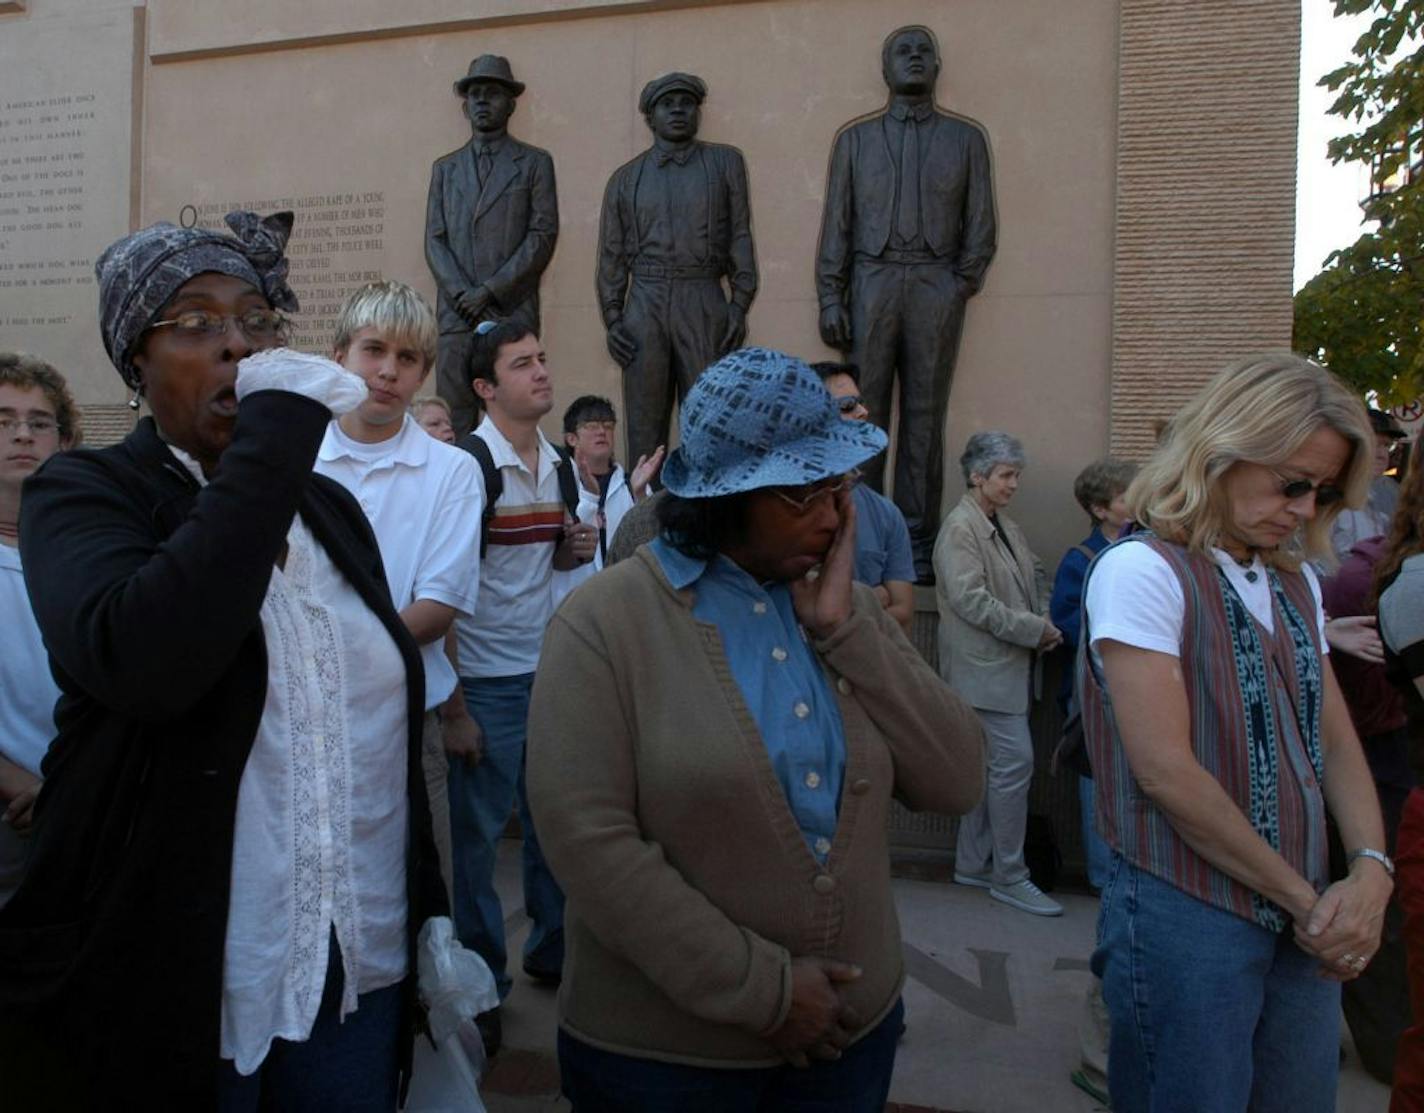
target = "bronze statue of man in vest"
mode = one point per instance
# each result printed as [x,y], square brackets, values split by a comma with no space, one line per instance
[490,225]
[907,235]
[676,223]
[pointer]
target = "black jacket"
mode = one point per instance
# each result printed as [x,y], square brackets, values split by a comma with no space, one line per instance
[147,589]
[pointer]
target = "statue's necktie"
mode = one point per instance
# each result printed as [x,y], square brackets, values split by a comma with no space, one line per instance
[907,217]
[482,165]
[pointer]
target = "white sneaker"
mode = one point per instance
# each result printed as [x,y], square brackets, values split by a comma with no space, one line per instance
[1026,897]
[973,880]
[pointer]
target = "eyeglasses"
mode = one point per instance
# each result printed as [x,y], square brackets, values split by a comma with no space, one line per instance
[255,324]
[849,403]
[607,426]
[1326,494]
[802,498]
[38,426]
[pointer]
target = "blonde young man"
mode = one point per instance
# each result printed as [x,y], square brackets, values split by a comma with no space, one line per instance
[424,501]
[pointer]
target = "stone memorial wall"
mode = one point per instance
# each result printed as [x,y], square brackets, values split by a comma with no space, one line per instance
[66,185]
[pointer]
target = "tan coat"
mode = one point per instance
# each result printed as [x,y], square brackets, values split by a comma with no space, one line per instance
[690,886]
[992,606]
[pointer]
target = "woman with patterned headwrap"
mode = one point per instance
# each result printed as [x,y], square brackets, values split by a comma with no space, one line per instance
[232,847]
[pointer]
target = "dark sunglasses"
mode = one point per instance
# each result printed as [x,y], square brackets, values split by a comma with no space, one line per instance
[1326,494]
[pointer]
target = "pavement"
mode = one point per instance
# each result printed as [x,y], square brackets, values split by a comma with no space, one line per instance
[993,1001]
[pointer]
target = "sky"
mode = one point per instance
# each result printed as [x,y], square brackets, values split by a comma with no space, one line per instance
[1327,212]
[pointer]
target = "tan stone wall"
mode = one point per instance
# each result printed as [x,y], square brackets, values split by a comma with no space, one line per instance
[1206,163]
[1143,153]
[368,117]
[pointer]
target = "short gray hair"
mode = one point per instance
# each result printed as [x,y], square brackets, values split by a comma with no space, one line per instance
[985,451]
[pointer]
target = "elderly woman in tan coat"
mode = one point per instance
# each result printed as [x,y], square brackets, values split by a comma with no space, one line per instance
[992,601]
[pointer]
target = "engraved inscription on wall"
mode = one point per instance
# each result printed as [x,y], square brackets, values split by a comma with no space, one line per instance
[338,244]
[45,196]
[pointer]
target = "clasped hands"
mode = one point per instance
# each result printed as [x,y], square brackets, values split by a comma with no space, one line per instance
[1342,926]
[819,1024]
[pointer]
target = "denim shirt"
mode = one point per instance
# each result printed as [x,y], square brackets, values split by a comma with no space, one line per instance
[781,681]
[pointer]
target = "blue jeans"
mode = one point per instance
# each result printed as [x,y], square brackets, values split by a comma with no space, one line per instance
[344,1066]
[1096,852]
[597,1081]
[480,802]
[1210,1013]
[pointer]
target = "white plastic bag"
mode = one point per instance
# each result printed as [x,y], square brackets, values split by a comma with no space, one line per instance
[455,985]
[446,1078]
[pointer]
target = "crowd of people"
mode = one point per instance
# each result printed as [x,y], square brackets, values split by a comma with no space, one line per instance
[283,662]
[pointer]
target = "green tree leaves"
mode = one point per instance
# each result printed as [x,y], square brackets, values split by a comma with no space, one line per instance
[1361,315]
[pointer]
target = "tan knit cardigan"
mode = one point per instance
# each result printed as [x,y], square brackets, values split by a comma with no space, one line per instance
[690,887]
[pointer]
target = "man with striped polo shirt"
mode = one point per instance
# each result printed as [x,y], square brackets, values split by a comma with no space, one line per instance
[527,534]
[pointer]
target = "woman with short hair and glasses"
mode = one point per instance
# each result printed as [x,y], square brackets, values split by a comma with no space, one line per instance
[232,849]
[1219,738]
[993,602]
[37,419]
[718,726]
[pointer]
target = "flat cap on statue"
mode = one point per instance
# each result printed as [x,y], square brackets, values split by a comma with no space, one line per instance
[489,67]
[671,83]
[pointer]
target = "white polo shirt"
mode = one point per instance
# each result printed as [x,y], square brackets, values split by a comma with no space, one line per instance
[424,500]
[503,635]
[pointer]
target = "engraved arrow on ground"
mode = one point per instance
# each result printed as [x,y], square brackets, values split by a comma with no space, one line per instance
[989,1000]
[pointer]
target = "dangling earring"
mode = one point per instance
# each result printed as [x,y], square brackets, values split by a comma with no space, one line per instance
[137,394]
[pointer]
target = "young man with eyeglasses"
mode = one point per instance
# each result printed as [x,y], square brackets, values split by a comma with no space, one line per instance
[883,557]
[423,500]
[37,419]
[606,491]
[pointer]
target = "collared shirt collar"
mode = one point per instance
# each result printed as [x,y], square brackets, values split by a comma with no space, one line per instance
[503,454]
[680,155]
[410,446]
[920,110]
[493,146]
[681,570]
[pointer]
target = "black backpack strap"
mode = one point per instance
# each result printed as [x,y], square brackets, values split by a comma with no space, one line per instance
[568,484]
[494,483]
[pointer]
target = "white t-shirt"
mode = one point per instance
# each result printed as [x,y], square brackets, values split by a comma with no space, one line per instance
[503,636]
[27,708]
[1134,597]
[27,697]
[423,499]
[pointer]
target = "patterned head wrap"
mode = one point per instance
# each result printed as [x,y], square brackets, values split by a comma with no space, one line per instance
[140,273]
[758,418]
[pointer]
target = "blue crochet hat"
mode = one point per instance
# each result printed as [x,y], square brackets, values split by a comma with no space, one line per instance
[759,418]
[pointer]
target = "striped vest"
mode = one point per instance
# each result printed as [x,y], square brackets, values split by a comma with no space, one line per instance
[1255,700]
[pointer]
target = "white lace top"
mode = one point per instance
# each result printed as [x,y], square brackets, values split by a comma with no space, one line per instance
[320,836]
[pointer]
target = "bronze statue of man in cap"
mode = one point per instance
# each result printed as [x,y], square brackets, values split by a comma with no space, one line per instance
[490,226]
[907,235]
[676,225]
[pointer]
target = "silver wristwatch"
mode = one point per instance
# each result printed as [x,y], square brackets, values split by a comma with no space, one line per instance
[1378,855]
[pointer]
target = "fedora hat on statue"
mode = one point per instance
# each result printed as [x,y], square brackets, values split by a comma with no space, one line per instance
[489,67]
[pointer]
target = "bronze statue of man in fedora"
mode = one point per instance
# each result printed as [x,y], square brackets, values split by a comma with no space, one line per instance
[676,224]
[907,234]
[490,226]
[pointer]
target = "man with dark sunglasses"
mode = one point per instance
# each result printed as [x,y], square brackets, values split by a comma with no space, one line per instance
[883,557]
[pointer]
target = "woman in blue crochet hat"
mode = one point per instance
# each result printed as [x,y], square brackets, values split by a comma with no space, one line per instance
[232,847]
[718,726]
